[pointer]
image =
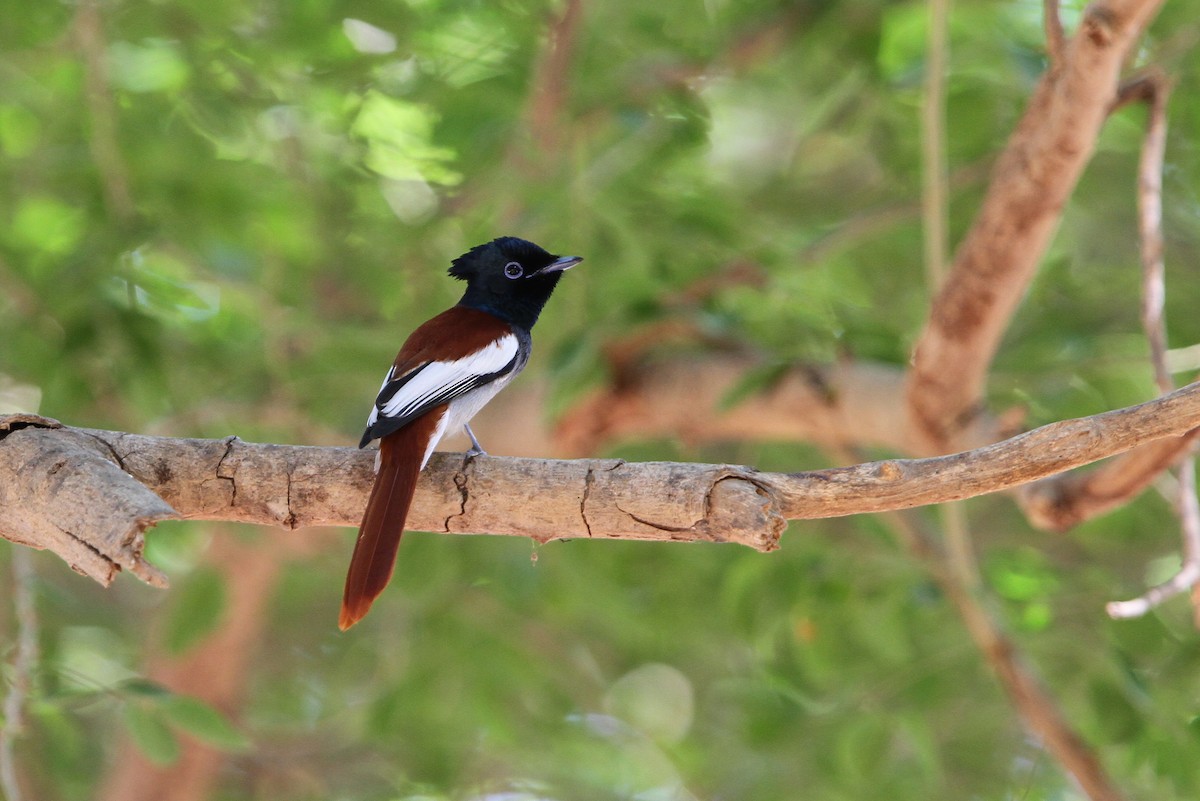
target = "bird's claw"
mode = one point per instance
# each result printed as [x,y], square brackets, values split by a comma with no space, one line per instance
[476,449]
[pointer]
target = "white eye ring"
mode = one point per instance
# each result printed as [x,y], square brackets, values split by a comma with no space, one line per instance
[513,270]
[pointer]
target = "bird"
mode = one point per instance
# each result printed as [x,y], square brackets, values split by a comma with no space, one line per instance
[446,371]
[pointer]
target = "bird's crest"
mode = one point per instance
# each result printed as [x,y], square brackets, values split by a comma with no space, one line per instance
[500,250]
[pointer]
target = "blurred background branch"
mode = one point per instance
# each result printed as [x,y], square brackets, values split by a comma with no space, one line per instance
[1156,89]
[20,681]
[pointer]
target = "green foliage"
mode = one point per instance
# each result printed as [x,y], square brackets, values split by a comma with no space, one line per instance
[233,233]
[151,734]
[198,604]
[203,722]
[153,715]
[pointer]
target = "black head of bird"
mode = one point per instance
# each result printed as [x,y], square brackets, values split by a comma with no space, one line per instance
[510,278]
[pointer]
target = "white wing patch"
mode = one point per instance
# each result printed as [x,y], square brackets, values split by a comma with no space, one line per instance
[444,380]
[374,415]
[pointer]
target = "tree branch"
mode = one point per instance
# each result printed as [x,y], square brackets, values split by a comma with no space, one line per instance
[70,498]
[1154,295]
[1051,449]
[1065,501]
[1055,38]
[1188,576]
[103,142]
[1060,502]
[999,255]
[844,404]
[935,204]
[69,494]
[549,93]
[24,661]
[1032,701]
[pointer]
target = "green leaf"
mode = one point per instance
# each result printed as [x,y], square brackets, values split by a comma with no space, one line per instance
[862,748]
[399,136]
[18,131]
[1022,574]
[155,65]
[47,225]
[1193,726]
[145,688]
[197,609]
[903,41]
[1117,719]
[1036,616]
[204,722]
[150,733]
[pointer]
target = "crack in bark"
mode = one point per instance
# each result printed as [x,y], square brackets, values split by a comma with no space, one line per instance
[229,443]
[15,422]
[114,567]
[588,480]
[460,481]
[108,446]
[660,526]
[289,521]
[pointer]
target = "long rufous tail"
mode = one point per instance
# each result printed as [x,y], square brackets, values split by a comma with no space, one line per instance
[401,457]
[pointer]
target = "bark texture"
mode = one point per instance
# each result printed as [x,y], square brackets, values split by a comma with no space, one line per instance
[115,485]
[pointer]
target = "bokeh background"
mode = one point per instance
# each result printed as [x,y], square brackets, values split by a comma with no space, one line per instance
[223,218]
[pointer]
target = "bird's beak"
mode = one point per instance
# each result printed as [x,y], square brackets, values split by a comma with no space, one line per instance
[560,264]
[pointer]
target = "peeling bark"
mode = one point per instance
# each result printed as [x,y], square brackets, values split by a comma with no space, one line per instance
[67,492]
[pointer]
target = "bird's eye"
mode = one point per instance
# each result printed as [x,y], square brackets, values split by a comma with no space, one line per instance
[513,270]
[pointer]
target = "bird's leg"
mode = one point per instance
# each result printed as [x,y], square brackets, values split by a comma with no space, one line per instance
[476,448]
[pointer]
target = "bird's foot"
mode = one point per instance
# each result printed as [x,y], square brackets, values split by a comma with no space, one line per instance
[476,449]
